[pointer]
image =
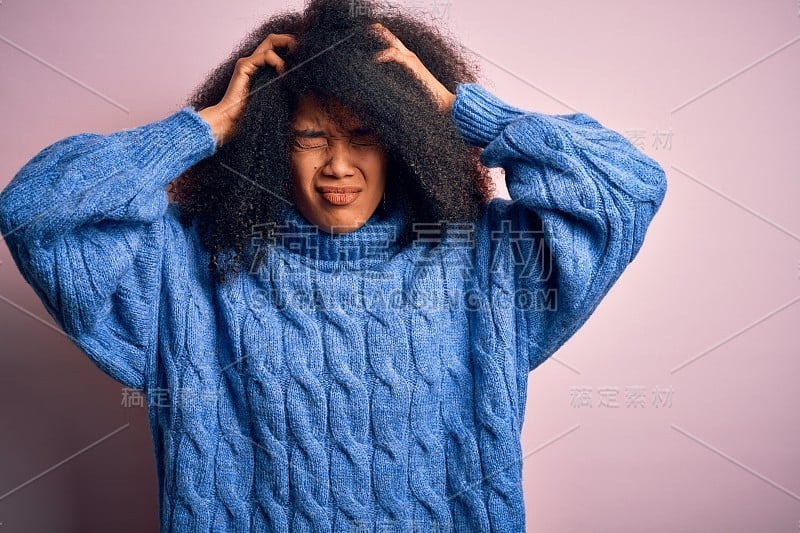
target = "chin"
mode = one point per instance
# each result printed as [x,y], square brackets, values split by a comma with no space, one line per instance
[333,225]
[344,220]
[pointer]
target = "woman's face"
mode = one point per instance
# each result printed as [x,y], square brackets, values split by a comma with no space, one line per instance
[338,170]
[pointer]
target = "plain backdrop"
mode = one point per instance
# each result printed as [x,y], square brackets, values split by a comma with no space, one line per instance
[672,409]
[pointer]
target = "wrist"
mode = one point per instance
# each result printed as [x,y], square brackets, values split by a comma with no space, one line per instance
[216,120]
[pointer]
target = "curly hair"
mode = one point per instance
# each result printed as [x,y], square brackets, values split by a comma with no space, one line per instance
[432,172]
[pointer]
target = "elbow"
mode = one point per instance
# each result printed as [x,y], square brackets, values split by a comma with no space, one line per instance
[15,217]
[644,213]
[640,210]
[18,203]
[653,180]
[660,185]
[6,213]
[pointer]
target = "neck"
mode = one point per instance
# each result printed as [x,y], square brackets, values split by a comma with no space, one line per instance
[377,240]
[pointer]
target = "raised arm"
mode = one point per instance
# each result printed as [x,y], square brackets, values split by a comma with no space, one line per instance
[87,222]
[582,197]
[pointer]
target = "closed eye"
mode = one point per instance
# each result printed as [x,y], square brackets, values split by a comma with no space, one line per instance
[314,143]
[310,144]
[364,141]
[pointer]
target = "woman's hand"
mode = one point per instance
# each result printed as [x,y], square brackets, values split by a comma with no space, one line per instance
[399,53]
[223,116]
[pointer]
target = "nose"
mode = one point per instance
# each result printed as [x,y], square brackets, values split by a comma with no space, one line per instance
[338,162]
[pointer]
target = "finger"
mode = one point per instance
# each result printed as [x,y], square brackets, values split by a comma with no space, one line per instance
[276,40]
[387,35]
[259,59]
[284,40]
[388,54]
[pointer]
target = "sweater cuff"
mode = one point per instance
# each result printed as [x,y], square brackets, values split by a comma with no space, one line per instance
[479,115]
[175,143]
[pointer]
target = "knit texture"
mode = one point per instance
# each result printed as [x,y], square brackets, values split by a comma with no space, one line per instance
[341,382]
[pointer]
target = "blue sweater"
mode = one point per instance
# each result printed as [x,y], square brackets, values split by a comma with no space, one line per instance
[342,382]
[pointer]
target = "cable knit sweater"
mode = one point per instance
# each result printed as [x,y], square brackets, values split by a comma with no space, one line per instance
[343,382]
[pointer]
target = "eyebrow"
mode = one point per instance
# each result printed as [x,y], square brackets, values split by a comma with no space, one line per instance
[310,132]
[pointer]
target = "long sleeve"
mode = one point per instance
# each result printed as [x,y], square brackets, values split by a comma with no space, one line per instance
[582,198]
[86,221]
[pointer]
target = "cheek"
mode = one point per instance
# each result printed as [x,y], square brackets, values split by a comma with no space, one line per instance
[303,174]
[376,164]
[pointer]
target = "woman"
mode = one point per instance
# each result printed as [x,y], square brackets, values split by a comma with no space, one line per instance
[367,370]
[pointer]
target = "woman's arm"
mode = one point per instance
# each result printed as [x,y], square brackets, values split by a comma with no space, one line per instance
[87,222]
[582,197]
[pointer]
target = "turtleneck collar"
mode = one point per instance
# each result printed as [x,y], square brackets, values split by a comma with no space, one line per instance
[377,240]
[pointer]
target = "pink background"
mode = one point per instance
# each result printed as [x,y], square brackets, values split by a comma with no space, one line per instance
[708,311]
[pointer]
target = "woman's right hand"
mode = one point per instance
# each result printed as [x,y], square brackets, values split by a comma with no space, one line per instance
[224,116]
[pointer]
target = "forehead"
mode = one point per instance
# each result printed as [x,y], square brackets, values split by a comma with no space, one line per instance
[311,113]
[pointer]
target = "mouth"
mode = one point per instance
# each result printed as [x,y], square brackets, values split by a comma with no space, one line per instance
[339,195]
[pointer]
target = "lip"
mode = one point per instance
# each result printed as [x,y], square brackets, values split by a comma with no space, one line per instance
[339,195]
[339,190]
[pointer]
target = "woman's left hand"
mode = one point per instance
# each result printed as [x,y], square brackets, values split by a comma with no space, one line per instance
[399,53]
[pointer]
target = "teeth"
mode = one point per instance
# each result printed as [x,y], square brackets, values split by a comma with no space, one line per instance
[340,198]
